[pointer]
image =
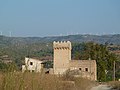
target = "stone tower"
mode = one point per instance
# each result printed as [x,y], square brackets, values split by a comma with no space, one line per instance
[62,56]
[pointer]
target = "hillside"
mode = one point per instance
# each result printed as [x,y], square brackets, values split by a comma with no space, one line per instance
[19,47]
[15,49]
[115,39]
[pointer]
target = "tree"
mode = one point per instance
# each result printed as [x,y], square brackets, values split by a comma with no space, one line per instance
[99,53]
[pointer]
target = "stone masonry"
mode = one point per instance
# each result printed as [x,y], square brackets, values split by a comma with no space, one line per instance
[63,62]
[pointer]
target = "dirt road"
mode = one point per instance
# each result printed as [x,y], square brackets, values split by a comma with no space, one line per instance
[101,87]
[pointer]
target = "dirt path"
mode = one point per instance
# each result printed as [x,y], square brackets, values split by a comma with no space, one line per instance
[101,87]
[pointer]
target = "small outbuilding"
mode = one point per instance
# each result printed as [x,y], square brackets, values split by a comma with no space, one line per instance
[32,65]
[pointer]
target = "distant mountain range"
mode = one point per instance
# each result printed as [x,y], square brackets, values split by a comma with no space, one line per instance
[114,39]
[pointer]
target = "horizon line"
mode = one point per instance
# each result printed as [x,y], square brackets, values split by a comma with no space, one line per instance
[62,35]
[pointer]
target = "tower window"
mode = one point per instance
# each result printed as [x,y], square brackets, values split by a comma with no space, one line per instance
[86,69]
[33,70]
[31,63]
[80,69]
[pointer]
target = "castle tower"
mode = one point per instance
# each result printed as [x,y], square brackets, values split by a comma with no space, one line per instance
[62,56]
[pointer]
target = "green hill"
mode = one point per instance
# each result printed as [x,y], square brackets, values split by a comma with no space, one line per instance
[19,47]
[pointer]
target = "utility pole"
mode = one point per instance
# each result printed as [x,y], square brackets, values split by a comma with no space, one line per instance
[114,71]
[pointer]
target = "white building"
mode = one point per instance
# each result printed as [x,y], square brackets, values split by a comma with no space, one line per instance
[32,65]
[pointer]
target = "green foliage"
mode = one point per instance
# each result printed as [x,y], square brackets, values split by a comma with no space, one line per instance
[99,53]
[3,67]
[18,51]
[8,67]
[48,64]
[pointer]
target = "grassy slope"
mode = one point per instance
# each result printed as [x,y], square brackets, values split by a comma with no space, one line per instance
[37,81]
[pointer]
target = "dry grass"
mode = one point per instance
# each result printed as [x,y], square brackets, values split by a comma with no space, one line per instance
[115,84]
[37,81]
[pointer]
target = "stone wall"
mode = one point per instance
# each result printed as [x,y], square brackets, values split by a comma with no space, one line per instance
[87,68]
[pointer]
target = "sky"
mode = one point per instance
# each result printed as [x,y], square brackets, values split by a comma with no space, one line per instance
[40,18]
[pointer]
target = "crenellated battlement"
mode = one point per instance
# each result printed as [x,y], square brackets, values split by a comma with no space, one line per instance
[61,42]
[62,45]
